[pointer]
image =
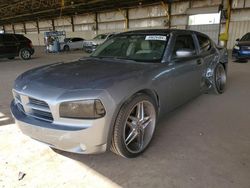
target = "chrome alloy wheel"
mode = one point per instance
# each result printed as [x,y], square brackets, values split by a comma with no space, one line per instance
[220,78]
[25,54]
[139,128]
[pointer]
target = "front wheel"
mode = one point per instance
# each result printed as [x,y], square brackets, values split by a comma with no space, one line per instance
[134,126]
[219,79]
[25,54]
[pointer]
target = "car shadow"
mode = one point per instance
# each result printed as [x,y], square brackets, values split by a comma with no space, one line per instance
[6,119]
[241,61]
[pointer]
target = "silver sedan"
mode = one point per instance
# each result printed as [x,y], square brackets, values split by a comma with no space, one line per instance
[112,99]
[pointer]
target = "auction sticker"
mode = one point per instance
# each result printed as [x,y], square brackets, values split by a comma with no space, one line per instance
[156,37]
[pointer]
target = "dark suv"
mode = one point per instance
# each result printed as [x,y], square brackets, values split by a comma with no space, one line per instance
[13,45]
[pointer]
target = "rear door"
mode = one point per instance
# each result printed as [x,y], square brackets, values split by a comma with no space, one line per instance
[187,76]
[77,43]
[2,48]
[207,52]
[10,44]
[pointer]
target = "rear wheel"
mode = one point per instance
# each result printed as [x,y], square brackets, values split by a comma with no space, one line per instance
[66,48]
[25,54]
[219,79]
[134,126]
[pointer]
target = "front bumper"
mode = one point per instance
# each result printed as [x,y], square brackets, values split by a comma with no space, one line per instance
[68,138]
[241,54]
[90,49]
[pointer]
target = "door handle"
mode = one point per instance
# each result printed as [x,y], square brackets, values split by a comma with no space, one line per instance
[199,61]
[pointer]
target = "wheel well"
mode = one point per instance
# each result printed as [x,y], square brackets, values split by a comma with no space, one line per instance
[151,94]
[224,65]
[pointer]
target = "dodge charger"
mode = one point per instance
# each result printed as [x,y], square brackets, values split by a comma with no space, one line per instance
[113,98]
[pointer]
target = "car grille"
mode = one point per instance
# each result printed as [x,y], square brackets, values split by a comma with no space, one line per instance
[32,107]
[18,102]
[40,109]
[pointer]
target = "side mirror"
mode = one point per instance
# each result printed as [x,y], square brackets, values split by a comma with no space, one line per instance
[237,40]
[184,53]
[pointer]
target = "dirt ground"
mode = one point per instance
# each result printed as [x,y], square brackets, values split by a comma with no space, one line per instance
[205,143]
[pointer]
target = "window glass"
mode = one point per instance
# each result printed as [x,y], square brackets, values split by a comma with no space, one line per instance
[102,36]
[184,42]
[21,37]
[246,37]
[138,47]
[67,40]
[9,38]
[204,42]
[76,39]
[110,36]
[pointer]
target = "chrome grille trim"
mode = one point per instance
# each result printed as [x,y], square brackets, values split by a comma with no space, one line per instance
[20,107]
[38,102]
[33,107]
[39,109]
[39,117]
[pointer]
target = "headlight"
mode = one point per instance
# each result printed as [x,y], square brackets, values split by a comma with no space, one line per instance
[236,47]
[85,109]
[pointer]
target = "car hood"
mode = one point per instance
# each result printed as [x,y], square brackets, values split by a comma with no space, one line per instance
[244,43]
[89,73]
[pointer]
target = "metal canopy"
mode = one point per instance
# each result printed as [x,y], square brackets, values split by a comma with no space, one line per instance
[12,11]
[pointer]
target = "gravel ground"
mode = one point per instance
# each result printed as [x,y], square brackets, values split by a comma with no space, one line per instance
[204,143]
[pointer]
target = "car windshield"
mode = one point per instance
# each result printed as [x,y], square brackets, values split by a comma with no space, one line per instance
[246,37]
[137,47]
[102,36]
[66,40]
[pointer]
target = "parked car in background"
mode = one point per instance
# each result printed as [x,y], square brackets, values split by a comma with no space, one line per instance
[91,45]
[72,44]
[241,50]
[13,45]
[113,99]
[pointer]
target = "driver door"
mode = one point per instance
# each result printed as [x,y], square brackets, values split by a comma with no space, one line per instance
[187,72]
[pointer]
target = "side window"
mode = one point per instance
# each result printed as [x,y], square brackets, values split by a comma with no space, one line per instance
[204,42]
[9,38]
[74,40]
[184,42]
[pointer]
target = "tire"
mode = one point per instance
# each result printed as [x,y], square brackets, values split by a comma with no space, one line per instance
[219,79]
[11,58]
[66,48]
[25,54]
[133,131]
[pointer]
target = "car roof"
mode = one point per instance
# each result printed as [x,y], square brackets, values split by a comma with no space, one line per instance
[161,31]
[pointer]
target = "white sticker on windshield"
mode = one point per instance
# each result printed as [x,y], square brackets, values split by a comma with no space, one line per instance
[156,37]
